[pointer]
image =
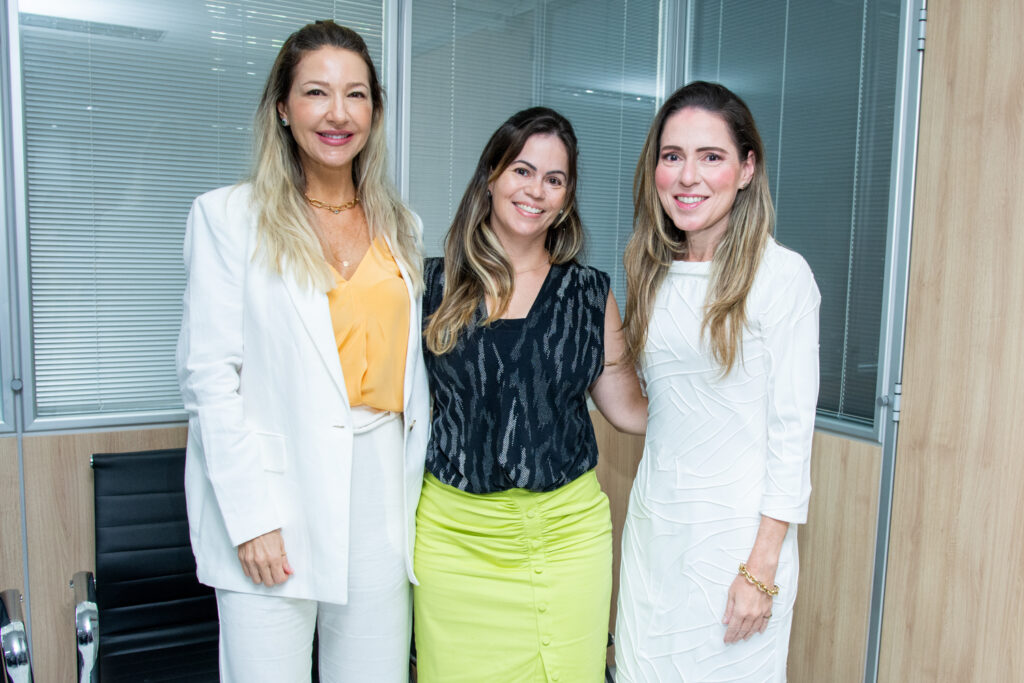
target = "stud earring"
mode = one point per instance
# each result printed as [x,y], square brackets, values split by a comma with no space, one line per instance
[284,122]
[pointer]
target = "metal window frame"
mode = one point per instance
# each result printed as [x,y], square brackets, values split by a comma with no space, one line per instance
[8,288]
[896,286]
[16,213]
[16,355]
[17,207]
[677,17]
[398,27]
[673,46]
[897,247]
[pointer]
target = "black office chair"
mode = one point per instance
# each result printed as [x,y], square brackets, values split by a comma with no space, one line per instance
[145,618]
[16,664]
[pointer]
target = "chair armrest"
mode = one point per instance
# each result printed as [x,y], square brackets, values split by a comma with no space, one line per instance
[87,626]
[16,664]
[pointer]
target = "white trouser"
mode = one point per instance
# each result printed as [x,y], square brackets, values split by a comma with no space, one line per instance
[270,638]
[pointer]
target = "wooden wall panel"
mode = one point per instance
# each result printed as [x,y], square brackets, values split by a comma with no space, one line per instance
[11,556]
[837,552]
[616,468]
[59,517]
[952,609]
[829,638]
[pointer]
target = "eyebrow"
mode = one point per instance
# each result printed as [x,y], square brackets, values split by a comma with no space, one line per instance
[325,84]
[699,149]
[534,168]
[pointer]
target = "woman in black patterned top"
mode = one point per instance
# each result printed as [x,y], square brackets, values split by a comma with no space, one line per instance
[513,545]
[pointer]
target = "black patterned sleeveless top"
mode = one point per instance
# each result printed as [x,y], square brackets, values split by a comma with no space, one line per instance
[510,407]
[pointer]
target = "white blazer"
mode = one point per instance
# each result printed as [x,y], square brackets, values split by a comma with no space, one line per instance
[270,427]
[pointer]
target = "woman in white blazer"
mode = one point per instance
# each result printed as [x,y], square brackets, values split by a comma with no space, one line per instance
[302,499]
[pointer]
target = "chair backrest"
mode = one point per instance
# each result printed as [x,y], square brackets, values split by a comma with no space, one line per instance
[156,621]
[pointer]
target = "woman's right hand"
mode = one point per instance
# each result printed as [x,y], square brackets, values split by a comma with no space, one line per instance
[264,560]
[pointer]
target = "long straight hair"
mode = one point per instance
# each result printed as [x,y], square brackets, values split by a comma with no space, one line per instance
[475,263]
[656,241]
[286,237]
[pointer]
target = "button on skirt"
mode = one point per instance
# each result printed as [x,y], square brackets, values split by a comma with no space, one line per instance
[515,586]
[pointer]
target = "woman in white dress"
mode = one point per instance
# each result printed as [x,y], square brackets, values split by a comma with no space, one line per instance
[724,323]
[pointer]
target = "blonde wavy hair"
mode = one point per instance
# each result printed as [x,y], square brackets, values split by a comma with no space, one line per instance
[656,241]
[475,263]
[286,237]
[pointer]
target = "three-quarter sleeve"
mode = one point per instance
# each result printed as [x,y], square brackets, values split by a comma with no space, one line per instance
[210,361]
[790,328]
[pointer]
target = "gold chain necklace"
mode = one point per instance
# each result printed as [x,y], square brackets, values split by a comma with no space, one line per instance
[530,270]
[331,207]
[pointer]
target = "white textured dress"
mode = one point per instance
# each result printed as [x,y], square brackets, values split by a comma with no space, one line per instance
[720,452]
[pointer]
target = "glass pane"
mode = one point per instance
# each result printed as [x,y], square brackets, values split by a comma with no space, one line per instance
[132,110]
[476,63]
[821,81]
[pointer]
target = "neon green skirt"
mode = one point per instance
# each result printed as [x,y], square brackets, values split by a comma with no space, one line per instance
[514,586]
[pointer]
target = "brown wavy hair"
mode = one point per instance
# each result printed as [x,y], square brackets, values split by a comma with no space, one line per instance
[656,241]
[475,263]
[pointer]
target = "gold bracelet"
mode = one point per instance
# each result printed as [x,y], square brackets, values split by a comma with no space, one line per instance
[770,592]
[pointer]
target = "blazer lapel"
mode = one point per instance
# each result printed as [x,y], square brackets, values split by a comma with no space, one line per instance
[315,314]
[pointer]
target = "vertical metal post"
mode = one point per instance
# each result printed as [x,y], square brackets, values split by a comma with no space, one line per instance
[897,272]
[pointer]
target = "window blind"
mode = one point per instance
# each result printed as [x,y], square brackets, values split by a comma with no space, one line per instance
[131,110]
[476,63]
[820,78]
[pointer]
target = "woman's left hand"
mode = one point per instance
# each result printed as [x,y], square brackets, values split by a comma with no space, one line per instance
[747,610]
[747,607]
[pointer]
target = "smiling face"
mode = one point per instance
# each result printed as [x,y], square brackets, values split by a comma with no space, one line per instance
[699,172]
[527,196]
[329,108]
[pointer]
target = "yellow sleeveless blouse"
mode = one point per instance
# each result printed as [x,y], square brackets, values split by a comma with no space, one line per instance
[370,315]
